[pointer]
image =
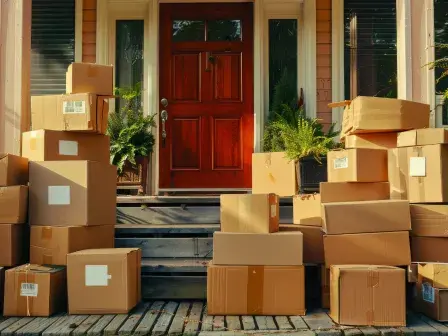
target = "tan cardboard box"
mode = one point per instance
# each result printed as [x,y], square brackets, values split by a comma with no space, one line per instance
[429,249]
[250,213]
[307,210]
[45,145]
[436,274]
[255,290]
[313,242]
[32,290]
[13,205]
[432,302]
[368,296]
[2,286]
[398,171]
[13,170]
[50,245]
[386,248]
[273,173]
[252,249]
[357,165]
[366,217]
[104,281]
[429,220]
[422,137]
[88,77]
[325,285]
[372,140]
[352,192]
[72,193]
[14,244]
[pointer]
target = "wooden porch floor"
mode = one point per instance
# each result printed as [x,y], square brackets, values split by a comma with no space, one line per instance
[190,318]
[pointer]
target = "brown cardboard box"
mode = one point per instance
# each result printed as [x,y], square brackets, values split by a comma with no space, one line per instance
[32,290]
[13,205]
[386,248]
[398,171]
[429,249]
[436,274]
[325,285]
[413,272]
[429,220]
[313,242]
[2,287]
[14,244]
[250,213]
[432,302]
[104,281]
[307,210]
[50,245]
[428,169]
[352,192]
[88,77]
[368,295]
[251,249]
[255,290]
[273,173]
[372,140]
[13,170]
[366,217]
[422,137]
[44,145]
[357,165]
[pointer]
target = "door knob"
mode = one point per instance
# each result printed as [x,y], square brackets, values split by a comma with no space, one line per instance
[164,102]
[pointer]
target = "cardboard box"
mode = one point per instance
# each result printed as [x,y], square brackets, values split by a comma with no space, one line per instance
[432,302]
[325,285]
[368,296]
[366,217]
[413,272]
[13,205]
[51,245]
[104,281]
[72,193]
[250,213]
[436,274]
[429,220]
[386,248]
[32,290]
[313,242]
[255,290]
[85,112]
[429,249]
[398,171]
[357,165]
[2,286]
[14,244]
[422,137]
[372,140]
[88,77]
[252,249]
[13,170]
[307,210]
[44,145]
[273,173]
[352,192]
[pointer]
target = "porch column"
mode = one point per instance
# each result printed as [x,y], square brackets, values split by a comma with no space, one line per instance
[15,64]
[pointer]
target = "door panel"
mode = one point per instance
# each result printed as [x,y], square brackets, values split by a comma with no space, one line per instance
[227,77]
[186,73]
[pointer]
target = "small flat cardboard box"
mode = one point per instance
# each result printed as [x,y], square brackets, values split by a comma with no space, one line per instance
[357,165]
[422,137]
[325,285]
[429,220]
[352,192]
[45,145]
[372,140]
[258,249]
[104,281]
[13,205]
[255,290]
[13,170]
[398,171]
[88,77]
[366,217]
[432,302]
[313,242]
[250,213]
[429,249]
[368,295]
[51,245]
[436,274]
[273,173]
[33,290]
[386,248]
[307,210]
[14,244]
[72,193]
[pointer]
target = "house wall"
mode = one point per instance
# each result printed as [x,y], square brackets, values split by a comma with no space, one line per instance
[89,31]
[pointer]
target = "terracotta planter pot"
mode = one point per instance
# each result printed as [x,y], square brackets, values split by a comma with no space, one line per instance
[310,173]
[135,176]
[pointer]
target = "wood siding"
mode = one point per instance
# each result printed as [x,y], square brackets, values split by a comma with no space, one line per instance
[89,31]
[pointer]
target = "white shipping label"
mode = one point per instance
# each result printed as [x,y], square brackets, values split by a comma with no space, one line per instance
[28,289]
[68,147]
[340,163]
[428,293]
[58,195]
[70,107]
[417,166]
[273,210]
[97,275]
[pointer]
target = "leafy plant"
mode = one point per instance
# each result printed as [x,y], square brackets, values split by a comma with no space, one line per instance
[442,65]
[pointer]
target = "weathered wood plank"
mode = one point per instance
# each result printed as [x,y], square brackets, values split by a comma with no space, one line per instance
[283,323]
[165,318]
[177,326]
[318,320]
[112,328]
[265,323]
[298,323]
[174,287]
[85,326]
[257,333]
[6,323]
[369,331]
[351,331]
[65,326]
[148,321]
[175,265]
[385,331]
[56,326]
[134,318]
[219,323]
[38,325]
[148,229]
[207,321]
[233,323]
[98,328]
[248,322]
[441,328]
[421,328]
[194,319]
[11,329]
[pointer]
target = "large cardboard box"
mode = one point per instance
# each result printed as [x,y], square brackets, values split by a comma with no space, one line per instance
[386,248]
[352,192]
[366,217]
[104,281]
[273,173]
[72,193]
[368,296]
[357,165]
[88,77]
[398,171]
[32,290]
[429,249]
[252,249]
[250,213]
[435,274]
[307,210]
[422,137]
[13,205]
[13,170]
[255,290]
[413,272]
[2,287]
[45,145]
[51,245]
[429,220]
[14,244]
[432,302]
[313,242]
[372,140]
[325,286]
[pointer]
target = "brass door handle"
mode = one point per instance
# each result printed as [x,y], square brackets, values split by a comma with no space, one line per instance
[164,118]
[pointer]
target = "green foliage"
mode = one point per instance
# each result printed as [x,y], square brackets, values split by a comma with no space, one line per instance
[441,64]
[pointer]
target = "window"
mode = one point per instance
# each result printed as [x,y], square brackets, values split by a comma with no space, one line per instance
[441,37]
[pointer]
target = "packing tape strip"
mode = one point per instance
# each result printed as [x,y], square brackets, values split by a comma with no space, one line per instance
[372,282]
[25,304]
[255,285]
[47,233]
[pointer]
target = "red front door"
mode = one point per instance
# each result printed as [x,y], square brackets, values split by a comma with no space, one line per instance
[206,93]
